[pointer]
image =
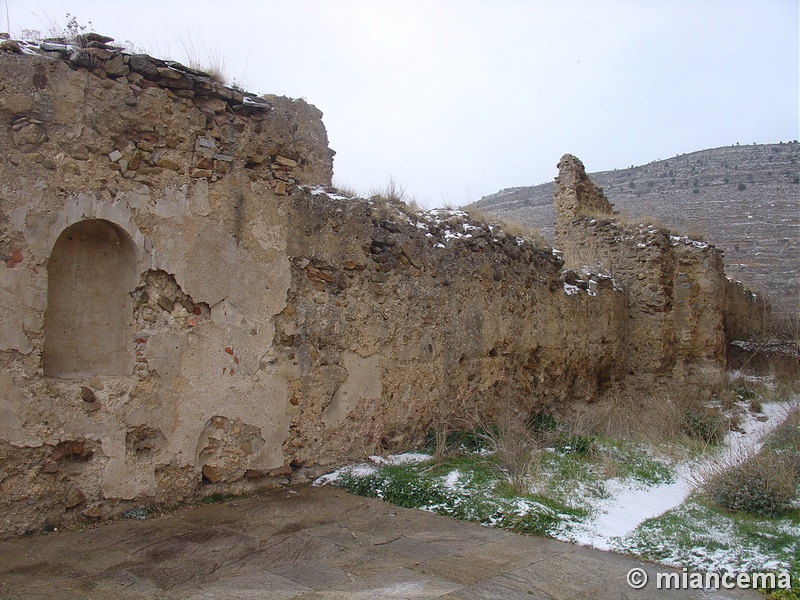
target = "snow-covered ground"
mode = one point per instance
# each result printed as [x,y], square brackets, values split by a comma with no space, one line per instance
[618,518]
[627,505]
[364,469]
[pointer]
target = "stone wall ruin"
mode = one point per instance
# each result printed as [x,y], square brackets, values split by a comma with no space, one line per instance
[186,307]
[675,286]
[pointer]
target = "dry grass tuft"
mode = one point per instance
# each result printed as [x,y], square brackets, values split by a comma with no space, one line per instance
[392,192]
[628,221]
[510,228]
[662,420]
[635,418]
[206,58]
[393,197]
[346,190]
[515,449]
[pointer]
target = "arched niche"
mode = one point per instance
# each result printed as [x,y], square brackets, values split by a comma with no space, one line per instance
[88,324]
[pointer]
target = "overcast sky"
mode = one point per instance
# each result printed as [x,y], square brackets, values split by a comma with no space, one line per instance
[457,99]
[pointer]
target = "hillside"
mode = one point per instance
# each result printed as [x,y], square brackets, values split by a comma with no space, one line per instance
[744,199]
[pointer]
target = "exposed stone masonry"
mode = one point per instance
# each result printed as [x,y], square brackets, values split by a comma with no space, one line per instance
[576,196]
[260,326]
[675,287]
[743,199]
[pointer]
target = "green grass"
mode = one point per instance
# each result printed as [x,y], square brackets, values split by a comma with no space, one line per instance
[701,537]
[792,594]
[481,494]
[637,463]
[570,471]
[570,476]
[218,497]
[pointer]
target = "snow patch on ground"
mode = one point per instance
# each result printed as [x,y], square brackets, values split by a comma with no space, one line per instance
[360,470]
[625,506]
[366,469]
[408,458]
[622,511]
[687,241]
[318,190]
[451,481]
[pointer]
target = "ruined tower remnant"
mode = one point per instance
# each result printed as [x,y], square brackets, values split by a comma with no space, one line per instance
[675,287]
[576,196]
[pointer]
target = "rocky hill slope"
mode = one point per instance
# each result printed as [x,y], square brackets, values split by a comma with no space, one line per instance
[744,199]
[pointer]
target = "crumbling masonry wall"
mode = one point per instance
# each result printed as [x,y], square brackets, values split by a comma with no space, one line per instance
[747,314]
[143,233]
[187,308]
[680,303]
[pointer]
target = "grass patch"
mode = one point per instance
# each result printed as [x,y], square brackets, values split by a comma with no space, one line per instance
[574,480]
[469,488]
[530,477]
[219,497]
[635,462]
[785,439]
[764,483]
[702,537]
[577,477]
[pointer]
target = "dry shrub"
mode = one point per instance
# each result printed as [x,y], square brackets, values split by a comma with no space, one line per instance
[441,448]
[705,424]
[625,416]
[761,484]
[660,419]
[516,449]
[785,328]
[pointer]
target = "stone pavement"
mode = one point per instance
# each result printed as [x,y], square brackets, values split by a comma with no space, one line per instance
[314,543]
